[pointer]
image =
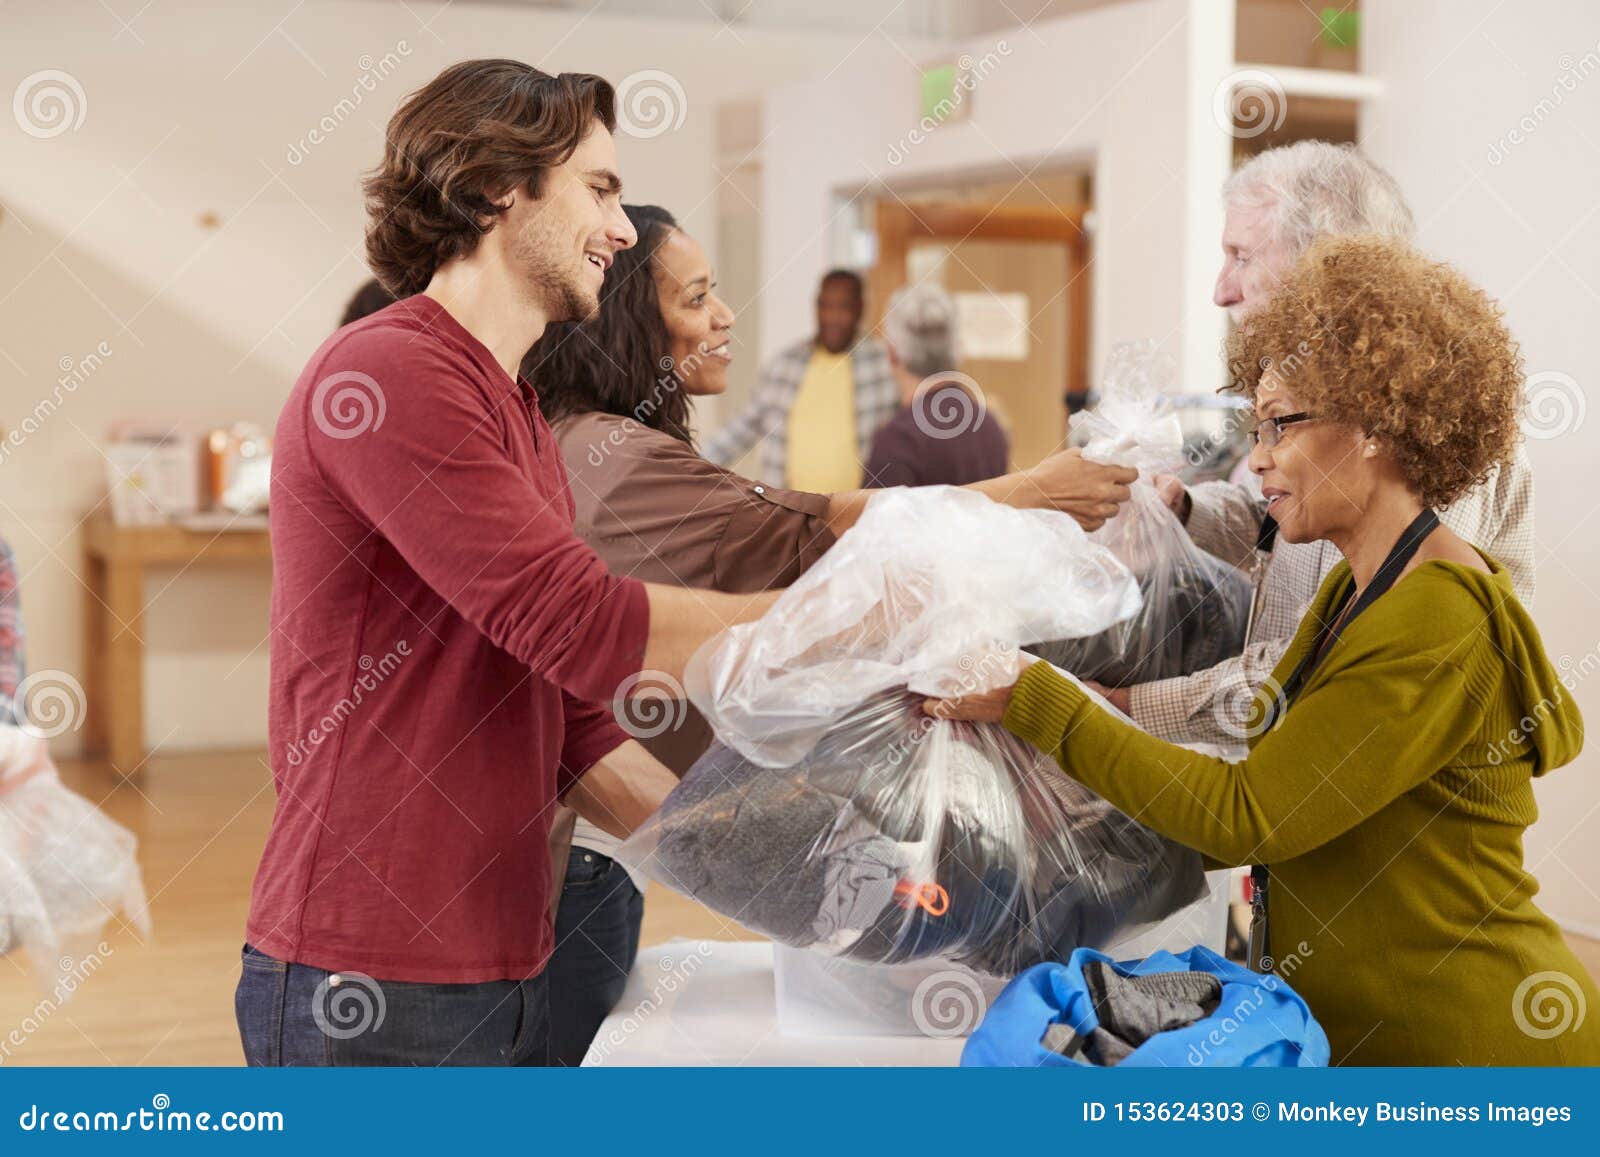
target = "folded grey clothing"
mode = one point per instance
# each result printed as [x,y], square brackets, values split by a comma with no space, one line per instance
[900,839]
[860,879]
[739,837]
[1132,1009]
[1182,627]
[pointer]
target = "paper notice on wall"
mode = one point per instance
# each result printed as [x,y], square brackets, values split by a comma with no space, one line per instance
[925,264]
[993,325]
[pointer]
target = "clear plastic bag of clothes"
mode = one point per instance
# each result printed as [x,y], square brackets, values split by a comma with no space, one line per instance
[834,814]
[1195,606]
[65,869]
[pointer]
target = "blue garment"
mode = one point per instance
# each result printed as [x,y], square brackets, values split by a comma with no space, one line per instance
[294,1015]
[1260,1021]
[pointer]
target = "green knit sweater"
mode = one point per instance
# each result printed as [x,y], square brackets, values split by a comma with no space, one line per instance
[1389,803]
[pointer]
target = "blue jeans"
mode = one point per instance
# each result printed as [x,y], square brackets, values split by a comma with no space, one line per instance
[292,1014]
[597,939]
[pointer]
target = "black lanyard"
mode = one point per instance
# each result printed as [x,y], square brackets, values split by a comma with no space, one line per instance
[1403,552]
[1268,534]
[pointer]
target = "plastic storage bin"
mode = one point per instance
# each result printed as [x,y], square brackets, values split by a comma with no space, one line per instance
[820,995]
[1204,922]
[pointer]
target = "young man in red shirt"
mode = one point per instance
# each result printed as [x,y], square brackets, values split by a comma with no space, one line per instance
[443,645]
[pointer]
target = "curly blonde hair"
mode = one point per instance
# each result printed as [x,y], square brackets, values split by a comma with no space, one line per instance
[1368,331]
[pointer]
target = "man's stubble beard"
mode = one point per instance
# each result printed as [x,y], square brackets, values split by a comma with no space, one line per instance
[558,291]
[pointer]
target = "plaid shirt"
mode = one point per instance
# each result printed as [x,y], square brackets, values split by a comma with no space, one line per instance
[10,635]
[1207,707]
[766,418]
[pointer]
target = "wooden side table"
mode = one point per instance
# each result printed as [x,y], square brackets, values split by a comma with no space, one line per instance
[115,558]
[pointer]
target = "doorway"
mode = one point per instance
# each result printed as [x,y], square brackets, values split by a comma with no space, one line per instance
[1017,261]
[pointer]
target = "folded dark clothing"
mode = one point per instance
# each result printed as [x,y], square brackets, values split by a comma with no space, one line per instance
[1132,1009]
[739,838]
[1194,609]
[1178,631]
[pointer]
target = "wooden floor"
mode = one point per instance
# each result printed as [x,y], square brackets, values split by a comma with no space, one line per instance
[201,821]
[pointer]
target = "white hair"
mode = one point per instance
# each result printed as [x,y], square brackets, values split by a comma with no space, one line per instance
[1316,189]
[920,323]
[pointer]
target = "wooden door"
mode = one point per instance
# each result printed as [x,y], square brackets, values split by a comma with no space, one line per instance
[900,225]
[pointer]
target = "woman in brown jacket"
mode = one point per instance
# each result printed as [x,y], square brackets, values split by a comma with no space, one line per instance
[616,391]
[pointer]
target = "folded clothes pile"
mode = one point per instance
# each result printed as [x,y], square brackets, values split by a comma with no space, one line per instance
[900,838]
[1131,1010]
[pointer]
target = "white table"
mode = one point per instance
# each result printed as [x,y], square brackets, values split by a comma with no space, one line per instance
[712,1002]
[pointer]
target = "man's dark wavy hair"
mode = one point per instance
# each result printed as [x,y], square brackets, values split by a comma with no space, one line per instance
[456,147]
[619,363]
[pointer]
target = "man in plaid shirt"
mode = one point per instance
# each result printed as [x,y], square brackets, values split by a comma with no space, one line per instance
[1278,203]
[819,402]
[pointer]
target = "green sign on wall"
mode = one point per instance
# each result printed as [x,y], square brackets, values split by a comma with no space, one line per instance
[941,96]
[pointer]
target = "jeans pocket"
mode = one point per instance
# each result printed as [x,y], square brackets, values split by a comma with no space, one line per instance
[258,1007]
[253,957]
[586,869]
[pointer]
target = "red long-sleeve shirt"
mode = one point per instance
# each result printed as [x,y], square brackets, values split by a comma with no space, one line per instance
[440,640]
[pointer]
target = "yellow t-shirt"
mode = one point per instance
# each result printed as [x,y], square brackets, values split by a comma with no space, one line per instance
[823,455]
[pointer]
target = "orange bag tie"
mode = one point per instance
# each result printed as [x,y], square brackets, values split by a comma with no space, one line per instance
[931,898]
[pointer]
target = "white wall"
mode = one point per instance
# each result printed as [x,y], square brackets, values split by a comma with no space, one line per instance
[196,107]
[1108,87]
[1523,220]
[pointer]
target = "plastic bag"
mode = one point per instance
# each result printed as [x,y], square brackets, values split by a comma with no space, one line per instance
[899,837]
[65,869]
[835,814]
[1195,606]
[934,589]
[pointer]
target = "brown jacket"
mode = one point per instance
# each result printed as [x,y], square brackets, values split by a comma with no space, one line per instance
[653,509]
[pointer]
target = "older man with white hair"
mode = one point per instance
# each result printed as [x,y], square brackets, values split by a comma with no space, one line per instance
[1277,204]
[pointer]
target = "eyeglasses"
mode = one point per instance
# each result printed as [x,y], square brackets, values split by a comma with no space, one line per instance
[1269,431]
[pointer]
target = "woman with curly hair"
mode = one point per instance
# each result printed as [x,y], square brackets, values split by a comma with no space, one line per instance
[1389,777]
[617,392]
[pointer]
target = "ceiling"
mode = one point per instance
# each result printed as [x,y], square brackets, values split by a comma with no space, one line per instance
[936,18]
